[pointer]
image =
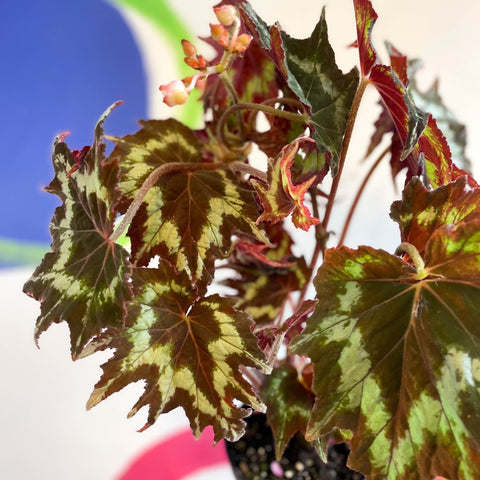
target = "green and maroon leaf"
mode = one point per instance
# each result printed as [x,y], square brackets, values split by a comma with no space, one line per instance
[263,292]
[437,158]
[84,280]
[308,67]
[289,405]
[254,75]
[264,282]
[408,119]
[314,77]
[280,196]
[421,211]
[365,17]
[157,143]
[453,130]
[189,219]
[399,63]
[412,397]
[189,215]
[390,82]
[187,350]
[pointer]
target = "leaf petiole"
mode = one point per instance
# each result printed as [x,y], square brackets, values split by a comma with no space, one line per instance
[149,182]
[360,191]
[345,144]
[256,107]
[414,254]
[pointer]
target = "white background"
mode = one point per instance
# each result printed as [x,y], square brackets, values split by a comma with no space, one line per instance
[45,432]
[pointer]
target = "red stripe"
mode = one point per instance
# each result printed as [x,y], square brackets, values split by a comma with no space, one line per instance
[177,456]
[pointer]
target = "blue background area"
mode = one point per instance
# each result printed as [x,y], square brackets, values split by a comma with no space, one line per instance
[63,63]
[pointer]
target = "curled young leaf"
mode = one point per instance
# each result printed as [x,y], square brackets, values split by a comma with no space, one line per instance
[280,196]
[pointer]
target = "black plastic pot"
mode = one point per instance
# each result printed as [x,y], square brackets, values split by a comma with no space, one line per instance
[253,457]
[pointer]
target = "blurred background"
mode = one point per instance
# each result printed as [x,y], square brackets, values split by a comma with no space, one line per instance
[63,64]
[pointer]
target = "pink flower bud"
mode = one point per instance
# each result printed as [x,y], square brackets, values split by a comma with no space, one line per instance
[226,15]
[174,93]
[191,62]
[242,43]
[188,48]
[219,34]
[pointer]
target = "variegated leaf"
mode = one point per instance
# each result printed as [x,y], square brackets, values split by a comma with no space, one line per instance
[437,158]
[189,214]
[157,143]
[408,119]
[422,211]
[188,350]
[84,279]
[309,69]
[312,74]
[289,405]
[410,397]
[390,82]
[265,278]
[365,17]
[262,292]
[280,196]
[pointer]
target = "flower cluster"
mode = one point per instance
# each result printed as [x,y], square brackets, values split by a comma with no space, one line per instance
[227,35]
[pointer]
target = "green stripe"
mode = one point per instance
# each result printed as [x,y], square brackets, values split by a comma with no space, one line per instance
[14,252]
[167,22]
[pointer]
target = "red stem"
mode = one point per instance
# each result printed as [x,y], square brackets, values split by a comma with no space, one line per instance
[358,195]
[149,182]
[321,229]
[343,154]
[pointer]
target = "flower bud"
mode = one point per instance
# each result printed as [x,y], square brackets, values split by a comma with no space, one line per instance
[242,43]
[226,15]
[188,48]
[219,34]
[174,93]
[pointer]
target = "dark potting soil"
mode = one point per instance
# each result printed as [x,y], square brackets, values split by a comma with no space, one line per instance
[253,457]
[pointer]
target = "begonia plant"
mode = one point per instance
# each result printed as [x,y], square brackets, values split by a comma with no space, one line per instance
[210,303]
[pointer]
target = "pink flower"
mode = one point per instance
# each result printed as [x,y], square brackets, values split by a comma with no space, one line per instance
[226,15]
[219,34]
[175,93]
[242,43]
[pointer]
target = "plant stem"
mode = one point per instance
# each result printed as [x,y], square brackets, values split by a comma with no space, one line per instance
[414,254]
[321,229]
[359,194]
[296,117]
[292,102]
[229,86]
[149,182]
[343,154]
[319,247]
[262,107]
[231,90]
[245,168]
